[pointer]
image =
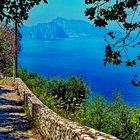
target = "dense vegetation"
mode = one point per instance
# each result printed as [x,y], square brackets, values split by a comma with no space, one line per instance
[16,10]
[68,97]
[69,94]
[6,48]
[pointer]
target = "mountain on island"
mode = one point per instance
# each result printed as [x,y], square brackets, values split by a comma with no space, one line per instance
[60,28]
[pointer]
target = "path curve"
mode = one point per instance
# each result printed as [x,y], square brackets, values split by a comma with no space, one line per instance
[14,123]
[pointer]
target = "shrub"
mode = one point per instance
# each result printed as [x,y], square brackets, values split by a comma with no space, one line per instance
[68,98]
[116,118]
[67,94]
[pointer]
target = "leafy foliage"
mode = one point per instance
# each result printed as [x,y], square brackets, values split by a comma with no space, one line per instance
[16,10]
[69,94]
[6,48]
[126,14]
[116,118]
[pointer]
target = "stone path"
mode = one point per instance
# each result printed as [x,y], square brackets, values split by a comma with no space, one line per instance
[14,124]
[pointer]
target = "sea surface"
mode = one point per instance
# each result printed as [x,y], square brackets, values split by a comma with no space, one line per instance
[84,57]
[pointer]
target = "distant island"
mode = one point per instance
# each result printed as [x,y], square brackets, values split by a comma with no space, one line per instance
[60,28]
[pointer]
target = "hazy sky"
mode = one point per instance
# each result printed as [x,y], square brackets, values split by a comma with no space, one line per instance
[70,9]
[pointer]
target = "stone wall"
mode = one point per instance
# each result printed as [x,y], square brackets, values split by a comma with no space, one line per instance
[51,125]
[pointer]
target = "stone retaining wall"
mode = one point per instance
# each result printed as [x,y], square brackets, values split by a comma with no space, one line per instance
[51,125]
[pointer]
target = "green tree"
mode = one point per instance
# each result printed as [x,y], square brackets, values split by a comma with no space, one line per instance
[16,11]
[115,118]
[6,48]
[126,14]
[63,94]
[69,94]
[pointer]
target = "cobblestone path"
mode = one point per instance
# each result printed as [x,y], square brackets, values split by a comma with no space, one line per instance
[14,124]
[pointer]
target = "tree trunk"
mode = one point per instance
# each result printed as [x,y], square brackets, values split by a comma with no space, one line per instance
[15,59]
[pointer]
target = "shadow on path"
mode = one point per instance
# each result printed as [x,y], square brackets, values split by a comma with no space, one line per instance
[5,91]
[14,124]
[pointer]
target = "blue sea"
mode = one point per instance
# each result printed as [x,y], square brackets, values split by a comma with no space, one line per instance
[81,56]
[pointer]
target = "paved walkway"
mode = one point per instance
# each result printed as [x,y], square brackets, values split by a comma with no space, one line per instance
[14,124]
